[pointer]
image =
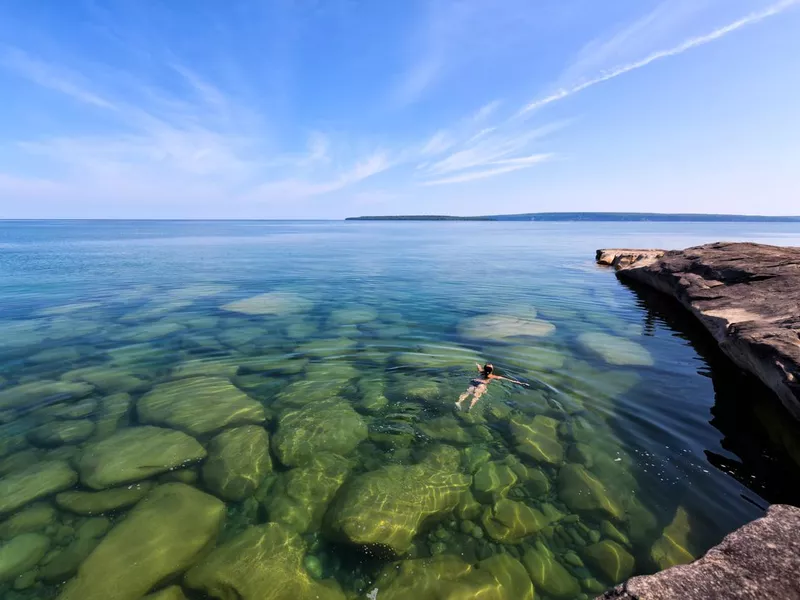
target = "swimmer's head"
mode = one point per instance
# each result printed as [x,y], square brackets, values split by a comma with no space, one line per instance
[488,368]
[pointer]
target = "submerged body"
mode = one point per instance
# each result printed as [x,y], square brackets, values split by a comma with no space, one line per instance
[479,385]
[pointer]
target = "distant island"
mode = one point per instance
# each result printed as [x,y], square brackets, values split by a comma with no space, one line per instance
[590,216]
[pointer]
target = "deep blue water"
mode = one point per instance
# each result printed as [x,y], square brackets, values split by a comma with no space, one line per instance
[672,422]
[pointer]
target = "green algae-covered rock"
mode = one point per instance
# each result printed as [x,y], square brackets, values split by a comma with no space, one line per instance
[97,503]
[330,426]
[499,577]
[199,405]
[537,439]
[300,496]
[173,592]
[21,554]
[163,535]
[609,530]
[145,333]
[113,413]
[492,481]
[582,492]
[37,481]
[388,506]
[263,563]
[533,360]
[615,350]
[476,457]
[108,379]
[72,410]
[430,356]
[468,507]
[32,519]
[328,349]
[135,454]
[223,367]
[510,522]
[549,576]
[610,559]
[445,429]
[29,394]
[672,548]
[372,396]
[58,433]
[65,562]
[352,315]
[19,461]
[271,303]
[238,460]
[504,328]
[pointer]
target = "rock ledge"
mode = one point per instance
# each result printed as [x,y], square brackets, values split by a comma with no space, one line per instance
[759,560]
[746,295]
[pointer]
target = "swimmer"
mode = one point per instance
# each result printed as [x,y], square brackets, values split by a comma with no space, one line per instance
[479,385]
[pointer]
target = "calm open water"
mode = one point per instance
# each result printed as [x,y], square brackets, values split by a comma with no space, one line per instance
[635,446]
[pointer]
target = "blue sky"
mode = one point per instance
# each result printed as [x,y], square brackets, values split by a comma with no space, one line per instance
[331,108]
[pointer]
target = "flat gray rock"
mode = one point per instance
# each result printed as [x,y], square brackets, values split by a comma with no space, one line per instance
[758,561]
[746,295]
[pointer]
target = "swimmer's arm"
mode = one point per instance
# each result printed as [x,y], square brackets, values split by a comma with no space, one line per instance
[511,380]
[480,368]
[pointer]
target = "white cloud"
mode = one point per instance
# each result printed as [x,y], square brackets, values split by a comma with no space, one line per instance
[486,111]
[750,19]
[474,175]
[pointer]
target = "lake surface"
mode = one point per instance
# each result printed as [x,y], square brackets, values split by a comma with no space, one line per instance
[305,374]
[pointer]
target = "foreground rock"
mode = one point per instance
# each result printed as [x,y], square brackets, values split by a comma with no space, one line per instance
[238,461]
[759,560]
[160,538]
[499,577]
[96,503]
[386,508]
[40,480]
[263,563]
[746,295]
[199,405]
[135,454]
[329,426]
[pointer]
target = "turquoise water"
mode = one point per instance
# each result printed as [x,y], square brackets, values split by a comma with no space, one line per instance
[305,373]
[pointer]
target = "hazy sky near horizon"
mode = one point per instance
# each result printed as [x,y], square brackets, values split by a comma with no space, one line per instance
[332,108]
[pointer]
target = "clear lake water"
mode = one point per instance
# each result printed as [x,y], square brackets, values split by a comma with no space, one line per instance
[288,389]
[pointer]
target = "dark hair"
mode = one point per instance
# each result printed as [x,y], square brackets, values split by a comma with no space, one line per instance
[488,368]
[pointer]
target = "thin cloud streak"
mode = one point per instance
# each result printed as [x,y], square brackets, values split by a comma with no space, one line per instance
[491,172]
[690,44]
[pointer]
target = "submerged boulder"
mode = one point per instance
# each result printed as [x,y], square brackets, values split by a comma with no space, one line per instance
[238,460]
[135,454]
[271,303]
[162,536]
[610,559]
[492,481]
[510,522]
[387,507]
[199,405]
[300,496]
[21,554]
[29,395]
[549,576]
[672,548]
[616,350]
[59,433]
[37,481]
[504,328]
[263,563]
[499,577]
[537,439]
[32,519]
[330,426]
[112,414]
[64,563]
[97,503]
[582,492]
[107,378]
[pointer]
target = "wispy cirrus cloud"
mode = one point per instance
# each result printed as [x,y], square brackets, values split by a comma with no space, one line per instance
[689,44]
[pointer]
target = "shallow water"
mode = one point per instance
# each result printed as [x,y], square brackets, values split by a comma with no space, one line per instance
[636,445]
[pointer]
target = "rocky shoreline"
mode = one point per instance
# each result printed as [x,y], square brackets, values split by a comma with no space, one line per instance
[746,295]
[758,560]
